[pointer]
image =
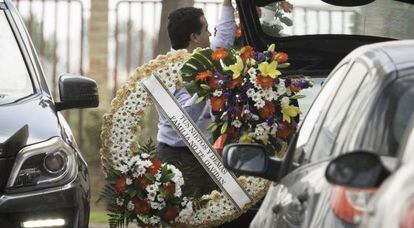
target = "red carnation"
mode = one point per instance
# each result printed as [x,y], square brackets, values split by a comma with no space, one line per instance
[264,81]
[170,188]
[141,206]
[268,110]
[285,131]
[120,184]
[171,213]
[156,165]
[283,57]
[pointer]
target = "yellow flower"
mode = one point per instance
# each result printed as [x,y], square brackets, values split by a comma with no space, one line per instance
[271,48]
[269,69]
[237,68]
[290,111]
[245,138]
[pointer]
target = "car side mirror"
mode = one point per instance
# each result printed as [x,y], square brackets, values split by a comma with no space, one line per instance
[251,159]
[358,169]
[77,92]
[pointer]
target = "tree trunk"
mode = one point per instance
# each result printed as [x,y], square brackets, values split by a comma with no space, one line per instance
[167,7]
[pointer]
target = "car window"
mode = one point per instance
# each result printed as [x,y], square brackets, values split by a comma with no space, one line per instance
[337,111]
[320,102]
[386,117]
[14,76]
[381,18]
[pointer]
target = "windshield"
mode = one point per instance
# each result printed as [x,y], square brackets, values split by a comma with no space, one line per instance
[382,18]
[15,82]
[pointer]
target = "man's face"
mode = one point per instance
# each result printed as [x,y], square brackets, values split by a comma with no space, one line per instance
[203,39]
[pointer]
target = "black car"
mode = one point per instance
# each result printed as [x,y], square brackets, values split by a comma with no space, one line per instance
[43,178]
[365,104]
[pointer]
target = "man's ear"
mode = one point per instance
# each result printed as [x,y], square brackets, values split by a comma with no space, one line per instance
[194,38]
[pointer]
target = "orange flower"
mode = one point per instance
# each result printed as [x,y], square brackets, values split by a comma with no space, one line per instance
[268,110]
[285,131]
[213,83]
[246,53]
[171,213]
[235,82]
[217,103]
[204,75]
[283,57]
[141,206]
[120,184]
[219,53]
[219,143]
[156,165]
[264,81]
[238,31]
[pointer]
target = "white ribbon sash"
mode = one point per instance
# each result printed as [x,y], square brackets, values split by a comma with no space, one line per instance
[196,141]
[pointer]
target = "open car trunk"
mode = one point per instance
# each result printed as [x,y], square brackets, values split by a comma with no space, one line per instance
[310,52]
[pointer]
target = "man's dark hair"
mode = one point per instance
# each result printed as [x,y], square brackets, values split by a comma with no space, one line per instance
[181,24]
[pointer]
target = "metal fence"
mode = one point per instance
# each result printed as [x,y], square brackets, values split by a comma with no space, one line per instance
[133,37]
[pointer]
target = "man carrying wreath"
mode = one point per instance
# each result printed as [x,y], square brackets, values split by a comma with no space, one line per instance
[188,29]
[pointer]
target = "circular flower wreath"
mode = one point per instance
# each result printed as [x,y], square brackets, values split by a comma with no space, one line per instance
[139,187]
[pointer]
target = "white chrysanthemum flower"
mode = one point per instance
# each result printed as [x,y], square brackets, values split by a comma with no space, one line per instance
[281,90]
[145,155]
[160,198]
[130,206]
[236,123]
[158,176]
[255,97]
[151,196]
[147,163]
[185,213]
[119,201]
[128,181]
[259,104]
[255,117]
[154,220]
[152,188]
[269,94]
[139,170]
[217,93]
[250,92]
[252,71]
[155,205]
[284,101]
[122,168]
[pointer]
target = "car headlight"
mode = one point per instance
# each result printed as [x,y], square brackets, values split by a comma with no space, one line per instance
[47,164]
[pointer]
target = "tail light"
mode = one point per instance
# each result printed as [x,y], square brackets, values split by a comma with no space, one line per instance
[349,204]
[407,219]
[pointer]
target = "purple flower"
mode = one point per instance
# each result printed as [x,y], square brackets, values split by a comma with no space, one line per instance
[288,82]
[260,57]
[269,55]
[270,121]
[276,81]
[220,82]
[298,83]
[217,74]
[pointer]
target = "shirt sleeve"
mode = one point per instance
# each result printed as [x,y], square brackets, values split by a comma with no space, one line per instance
[188,103]
[225,30]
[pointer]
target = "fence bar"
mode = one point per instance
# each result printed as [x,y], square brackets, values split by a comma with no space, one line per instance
[128,50]
[141,37]
[115,77]
[55,46]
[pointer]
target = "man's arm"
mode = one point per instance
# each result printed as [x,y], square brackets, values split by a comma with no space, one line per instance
[225,30]
[187,102]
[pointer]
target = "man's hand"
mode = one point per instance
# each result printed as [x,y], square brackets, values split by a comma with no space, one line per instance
[286,6]
[227,3]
